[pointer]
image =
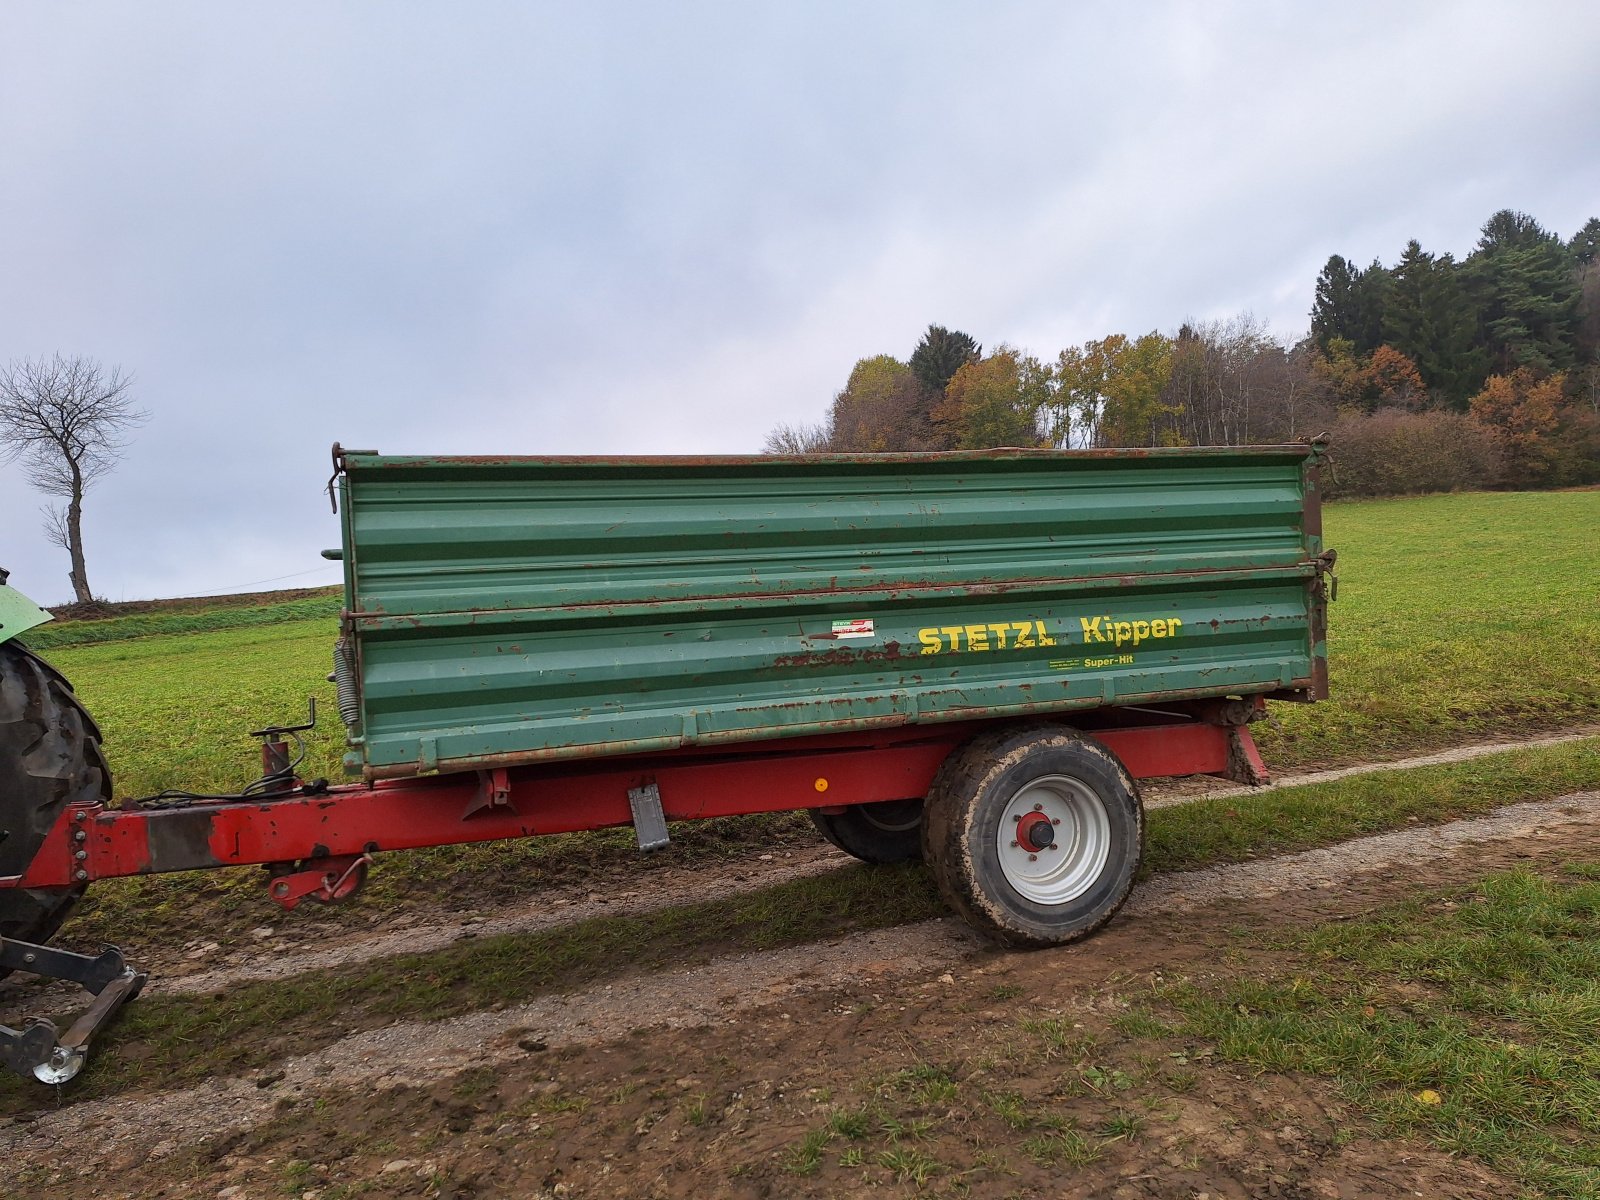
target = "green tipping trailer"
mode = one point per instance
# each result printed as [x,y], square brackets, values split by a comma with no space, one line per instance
[513,610]
[967,658]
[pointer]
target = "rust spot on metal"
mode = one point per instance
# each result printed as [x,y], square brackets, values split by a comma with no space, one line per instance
[889,652]
[181,840]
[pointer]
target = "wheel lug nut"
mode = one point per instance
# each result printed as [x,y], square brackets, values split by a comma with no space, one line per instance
[1052,845]
[1013,845]
[1055,820]
[1017,817]
[1033,858]
[1038,808]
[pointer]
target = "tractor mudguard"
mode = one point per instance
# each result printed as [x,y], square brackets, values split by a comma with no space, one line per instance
[18,614]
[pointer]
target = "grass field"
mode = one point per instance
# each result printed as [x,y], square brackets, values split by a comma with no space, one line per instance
[1458,617]
[158,623]
[1469,1017]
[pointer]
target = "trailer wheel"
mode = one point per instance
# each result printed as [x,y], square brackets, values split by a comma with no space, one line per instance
[887,832]
[1034,834]
[49,758]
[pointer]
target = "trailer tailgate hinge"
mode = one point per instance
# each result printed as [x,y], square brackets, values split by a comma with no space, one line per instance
[649,821]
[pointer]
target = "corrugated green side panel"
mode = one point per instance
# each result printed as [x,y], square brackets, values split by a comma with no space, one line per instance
[513,609]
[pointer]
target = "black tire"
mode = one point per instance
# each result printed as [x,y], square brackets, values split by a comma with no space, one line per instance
[887,832]
[1087,807]
[49,758]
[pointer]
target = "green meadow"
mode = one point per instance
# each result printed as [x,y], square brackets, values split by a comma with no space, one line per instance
[1459,617]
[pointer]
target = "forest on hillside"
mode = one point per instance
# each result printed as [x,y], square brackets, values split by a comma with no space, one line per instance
[1428,375]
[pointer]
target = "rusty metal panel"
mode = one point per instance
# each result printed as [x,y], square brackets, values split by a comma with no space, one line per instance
[514,609]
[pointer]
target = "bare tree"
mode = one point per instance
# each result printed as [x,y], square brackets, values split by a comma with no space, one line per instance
[67,421]
[799,439]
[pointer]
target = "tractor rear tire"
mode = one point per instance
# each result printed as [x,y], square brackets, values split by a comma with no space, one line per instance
[887,832]
[50,757]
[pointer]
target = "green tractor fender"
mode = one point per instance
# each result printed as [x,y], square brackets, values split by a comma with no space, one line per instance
[18,614]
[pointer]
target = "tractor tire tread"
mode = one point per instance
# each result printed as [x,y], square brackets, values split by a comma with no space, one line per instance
[50,757]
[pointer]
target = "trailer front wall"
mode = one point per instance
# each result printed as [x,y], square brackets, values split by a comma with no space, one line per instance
[510,610]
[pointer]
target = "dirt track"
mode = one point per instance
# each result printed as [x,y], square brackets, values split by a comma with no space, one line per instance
[172,969]
[933,984]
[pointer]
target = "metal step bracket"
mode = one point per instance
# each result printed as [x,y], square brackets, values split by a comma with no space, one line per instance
[649,821]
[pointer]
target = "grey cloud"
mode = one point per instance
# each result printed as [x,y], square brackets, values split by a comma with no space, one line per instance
[667,227]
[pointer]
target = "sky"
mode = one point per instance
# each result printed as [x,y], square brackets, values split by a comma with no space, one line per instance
[661,228]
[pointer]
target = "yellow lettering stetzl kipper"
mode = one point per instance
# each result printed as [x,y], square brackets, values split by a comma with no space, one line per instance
[1127,633]
[994,635]
[1032,635]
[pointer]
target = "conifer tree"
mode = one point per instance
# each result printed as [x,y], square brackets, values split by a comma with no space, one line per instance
[1334,311]
[1527,294]
[940,354]
[1349,305]
[1428,317]
[934,363]
[1585,244]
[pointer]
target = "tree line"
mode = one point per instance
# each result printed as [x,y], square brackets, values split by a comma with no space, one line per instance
[1428,375]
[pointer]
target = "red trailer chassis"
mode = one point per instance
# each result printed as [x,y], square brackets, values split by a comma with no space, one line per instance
[318,839]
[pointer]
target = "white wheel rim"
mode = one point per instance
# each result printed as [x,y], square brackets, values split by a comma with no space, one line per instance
[1080,827]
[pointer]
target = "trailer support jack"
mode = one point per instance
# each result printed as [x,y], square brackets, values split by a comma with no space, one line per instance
[38,1049]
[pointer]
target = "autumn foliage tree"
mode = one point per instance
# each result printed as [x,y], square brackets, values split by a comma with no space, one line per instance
[1113,392]
[995,401]
[1521,410]
[880,408]
[1385,378]
[1392,380]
